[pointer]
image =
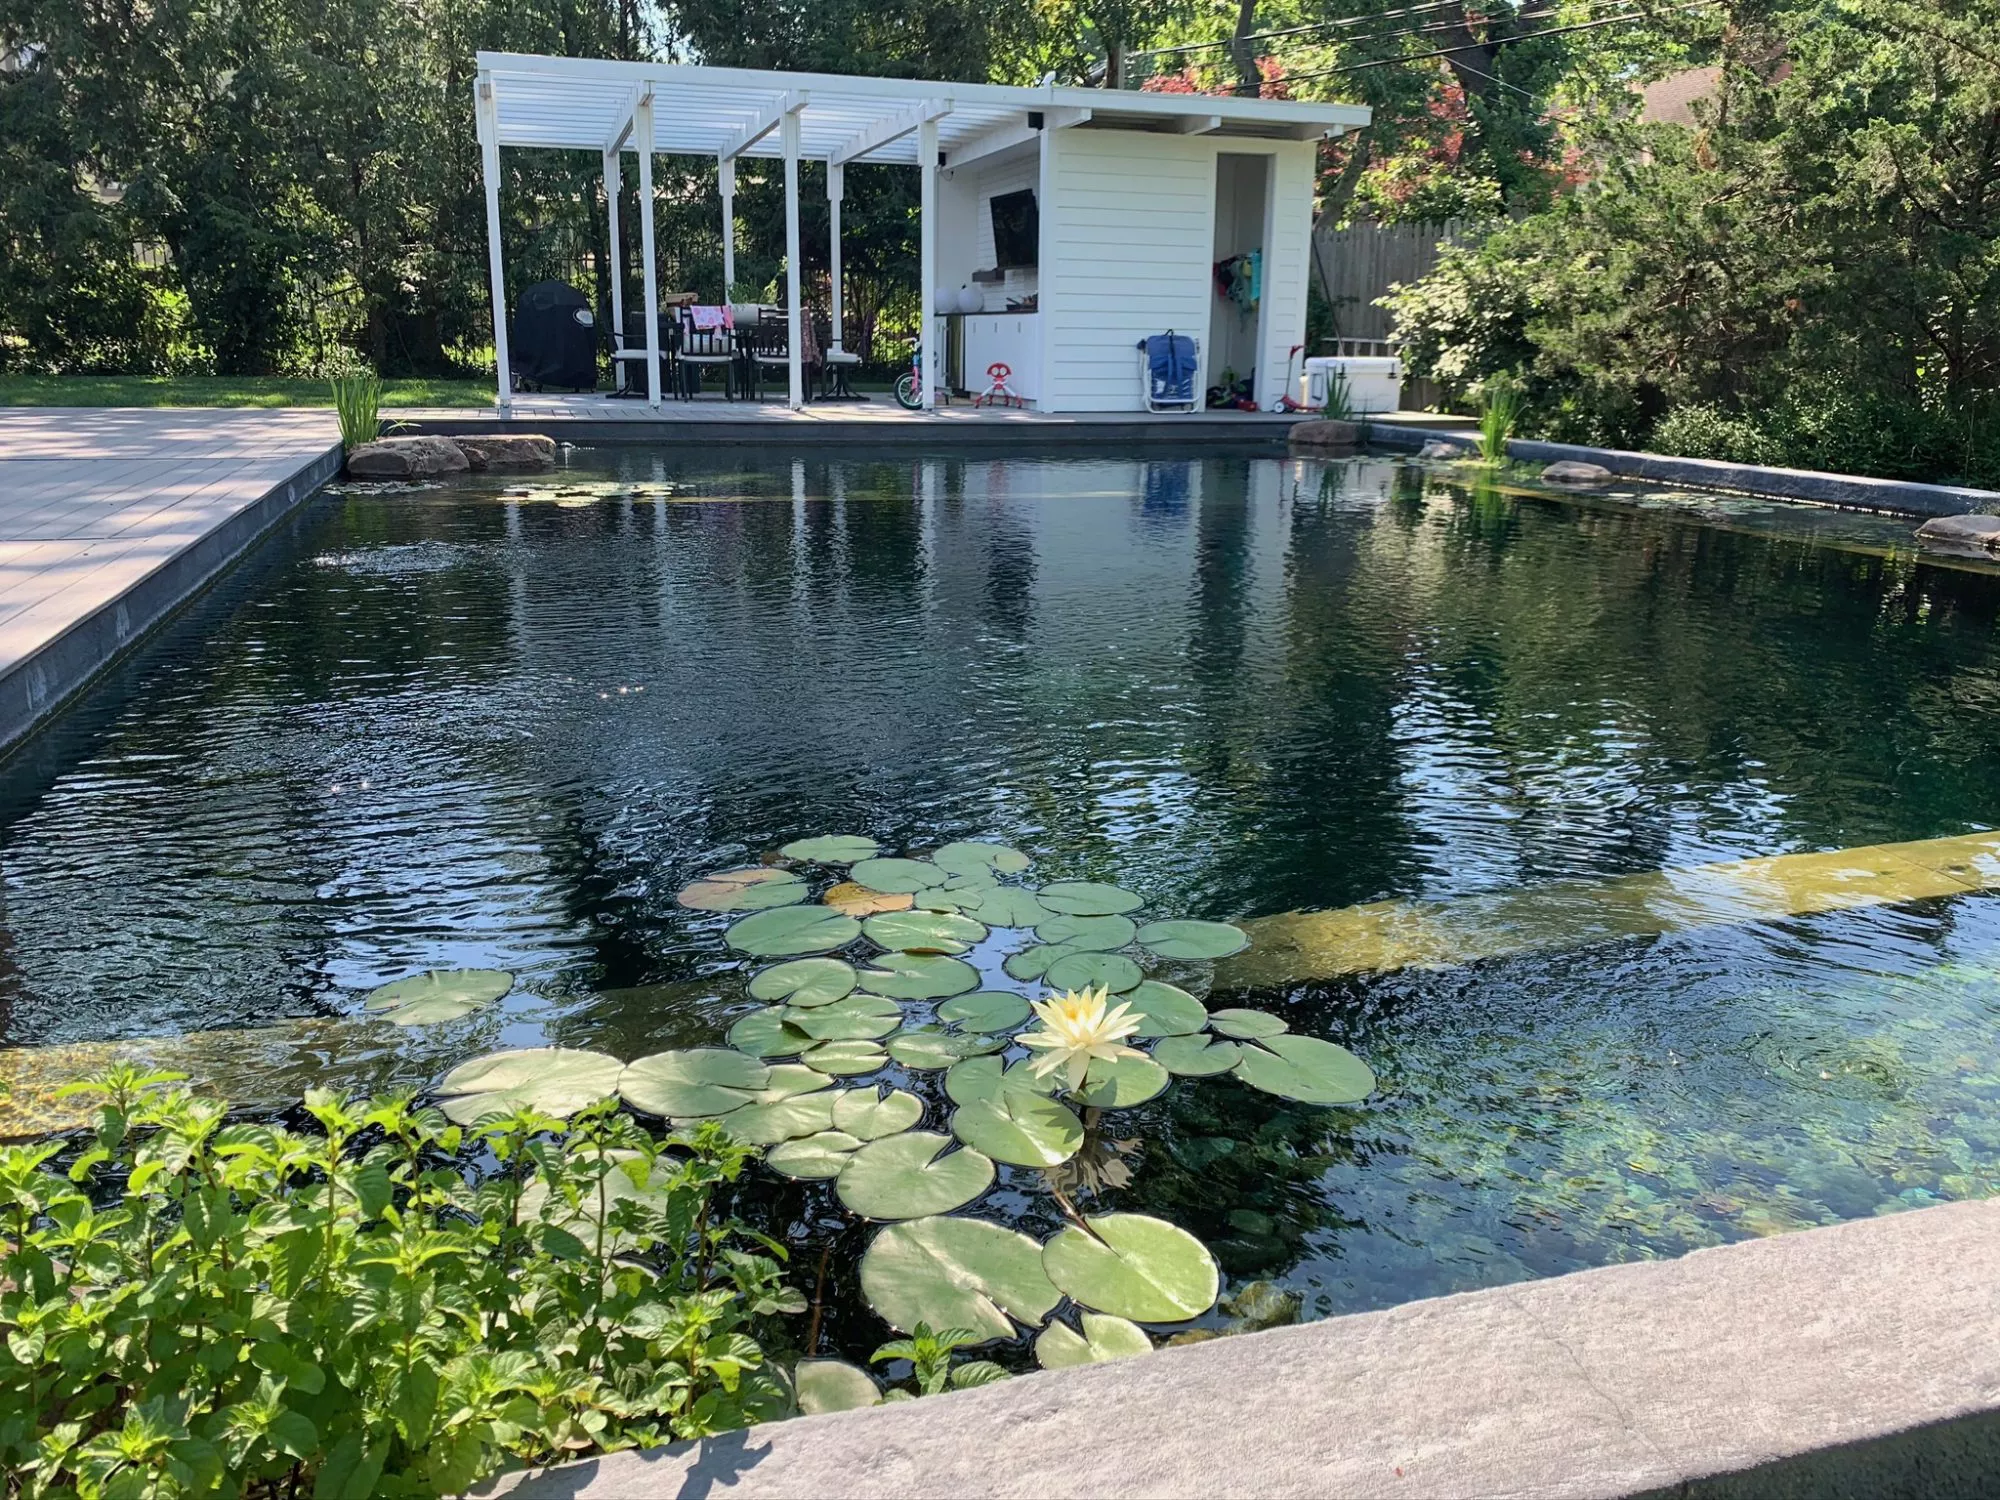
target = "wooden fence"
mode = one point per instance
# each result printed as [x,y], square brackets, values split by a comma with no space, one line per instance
[1362,261]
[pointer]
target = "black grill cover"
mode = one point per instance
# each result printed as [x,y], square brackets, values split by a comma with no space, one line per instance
[554,339]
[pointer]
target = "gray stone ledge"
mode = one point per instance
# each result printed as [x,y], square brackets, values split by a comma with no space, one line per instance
[1849,491]
[1862,1358]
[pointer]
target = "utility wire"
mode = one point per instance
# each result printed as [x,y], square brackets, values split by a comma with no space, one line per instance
[1260,36]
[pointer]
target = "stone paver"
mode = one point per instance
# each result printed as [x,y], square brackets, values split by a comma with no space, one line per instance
[111,517]
[1619,1381]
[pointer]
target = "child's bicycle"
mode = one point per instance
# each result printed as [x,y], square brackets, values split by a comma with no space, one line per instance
[910,386]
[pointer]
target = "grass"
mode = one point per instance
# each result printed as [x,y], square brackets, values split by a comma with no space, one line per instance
[223,390]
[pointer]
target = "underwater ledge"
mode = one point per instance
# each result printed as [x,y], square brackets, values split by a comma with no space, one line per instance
[1861,1358]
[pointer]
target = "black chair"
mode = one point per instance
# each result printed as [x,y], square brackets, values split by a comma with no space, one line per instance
[705,349]
[768,350]
[629,358]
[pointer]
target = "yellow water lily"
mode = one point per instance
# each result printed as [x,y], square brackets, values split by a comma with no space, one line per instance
[1079,1027]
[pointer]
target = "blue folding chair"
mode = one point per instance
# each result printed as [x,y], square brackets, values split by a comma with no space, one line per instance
[1167,367]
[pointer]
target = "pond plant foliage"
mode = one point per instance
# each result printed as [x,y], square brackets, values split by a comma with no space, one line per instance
[399,1297]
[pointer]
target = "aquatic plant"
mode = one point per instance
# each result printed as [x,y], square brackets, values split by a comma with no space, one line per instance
[269,1310]
[1500,409]
[929,1354]
[1077,1029]
[357,401]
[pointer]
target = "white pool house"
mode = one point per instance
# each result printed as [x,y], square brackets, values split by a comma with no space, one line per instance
[1059,226]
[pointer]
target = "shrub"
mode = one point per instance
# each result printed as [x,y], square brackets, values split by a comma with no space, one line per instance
[1699,430]
[354,1309]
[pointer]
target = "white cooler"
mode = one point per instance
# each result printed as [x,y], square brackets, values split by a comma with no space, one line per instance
[1374,384]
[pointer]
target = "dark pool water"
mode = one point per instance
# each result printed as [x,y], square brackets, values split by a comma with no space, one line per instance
[466,727]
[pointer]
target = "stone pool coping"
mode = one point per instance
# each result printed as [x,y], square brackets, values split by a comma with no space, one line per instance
[1862,1358]
[1848,491]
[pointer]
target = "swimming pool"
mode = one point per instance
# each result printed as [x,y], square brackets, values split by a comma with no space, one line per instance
[501,725]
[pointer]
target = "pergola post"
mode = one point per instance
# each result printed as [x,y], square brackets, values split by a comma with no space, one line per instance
[614,179]
[836,189]
[794,314]
[488,116]
[642,133]
[927,163]
[725,177]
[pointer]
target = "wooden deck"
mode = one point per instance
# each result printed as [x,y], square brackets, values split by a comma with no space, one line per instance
[110,518]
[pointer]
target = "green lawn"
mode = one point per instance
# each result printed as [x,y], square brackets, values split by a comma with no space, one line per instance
[223,390]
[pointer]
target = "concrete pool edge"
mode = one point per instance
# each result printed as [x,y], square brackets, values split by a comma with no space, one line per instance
[1869,1345]
[39,684]
[1847,491]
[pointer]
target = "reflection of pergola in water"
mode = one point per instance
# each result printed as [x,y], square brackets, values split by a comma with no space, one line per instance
[728,113]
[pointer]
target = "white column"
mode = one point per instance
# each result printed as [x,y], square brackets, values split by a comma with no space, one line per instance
[795,315]
[927,154]
[836,189]
[725,177]
[614,177]
[488,114]
[642,140]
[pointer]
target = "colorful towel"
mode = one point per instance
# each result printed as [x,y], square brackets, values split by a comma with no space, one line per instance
[709,319]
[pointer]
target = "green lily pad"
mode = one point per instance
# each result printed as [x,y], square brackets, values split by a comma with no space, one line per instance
[911,1176]
[924,931]
[1307,1069]
[942,899]
[957,1273]
[963,858]
[867,1116]
[792,930]
[919,976]
[857,1018]
[813,1157]
[1088,971]
[832,849]
[1196,1056]
[692,1083]
[846,1059]
[1095,934]
[787,1120]
[557,1081]
[989,1078]
[1033,963]
[755,888]
[787,1080]
[985,1010]
[898,876]
[1007,906]
[764,1033]
[1087,898]
[437,995]
[1247,1025]
[804,982]
[1104,1338]
[1022,1129]
[1165,1010]
[925,1047]
[1133,1266]
[1192,939]
[1122,1082]
[824,1385]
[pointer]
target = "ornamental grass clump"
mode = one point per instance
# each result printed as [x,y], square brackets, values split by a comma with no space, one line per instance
[357,401]
[201,1306]
[1498,414]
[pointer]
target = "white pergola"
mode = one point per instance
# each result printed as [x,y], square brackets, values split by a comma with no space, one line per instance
[590,104]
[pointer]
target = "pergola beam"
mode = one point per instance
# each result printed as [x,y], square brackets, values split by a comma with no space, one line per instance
[626,113]
[894,128]
[1197,124]
[1005,137]
[787,108]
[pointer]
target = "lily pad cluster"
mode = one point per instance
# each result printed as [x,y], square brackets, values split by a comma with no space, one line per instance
[874,961]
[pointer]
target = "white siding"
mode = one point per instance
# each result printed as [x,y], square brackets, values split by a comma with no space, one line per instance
[1128,230]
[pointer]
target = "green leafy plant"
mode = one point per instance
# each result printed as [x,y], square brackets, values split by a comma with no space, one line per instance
[205,1306]
[1499,411]
[357,400]
[1339,405]
[929,1354]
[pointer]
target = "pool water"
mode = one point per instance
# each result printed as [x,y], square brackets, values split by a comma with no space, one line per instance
[501,724]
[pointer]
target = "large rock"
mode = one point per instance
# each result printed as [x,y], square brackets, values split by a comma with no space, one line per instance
[1324,434]
[514,450]
[406,458]
[1577,475]
[1435,449]
[1962,533]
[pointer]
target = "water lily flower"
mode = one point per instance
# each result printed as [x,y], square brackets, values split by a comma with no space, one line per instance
[1078,1029]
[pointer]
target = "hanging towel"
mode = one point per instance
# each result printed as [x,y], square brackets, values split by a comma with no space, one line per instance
[1169,365]
[708,319]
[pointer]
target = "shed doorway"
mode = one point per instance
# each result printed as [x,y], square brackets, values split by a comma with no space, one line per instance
[1236,292]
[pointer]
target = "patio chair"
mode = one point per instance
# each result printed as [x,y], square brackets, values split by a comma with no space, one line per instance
[704,349]
[628,359]
[768,352]
[1167,365]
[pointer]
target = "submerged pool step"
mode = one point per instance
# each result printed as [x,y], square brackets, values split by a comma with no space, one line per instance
[1384,935]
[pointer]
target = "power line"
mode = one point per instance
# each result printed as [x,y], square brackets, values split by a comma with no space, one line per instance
[1260,36]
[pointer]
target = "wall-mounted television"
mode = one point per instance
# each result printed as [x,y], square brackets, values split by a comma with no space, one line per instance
[1017,230]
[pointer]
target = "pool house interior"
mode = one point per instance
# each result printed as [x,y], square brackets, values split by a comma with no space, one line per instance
[1059,226]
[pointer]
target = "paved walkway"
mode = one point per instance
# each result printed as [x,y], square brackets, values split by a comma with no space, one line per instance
[110,518]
